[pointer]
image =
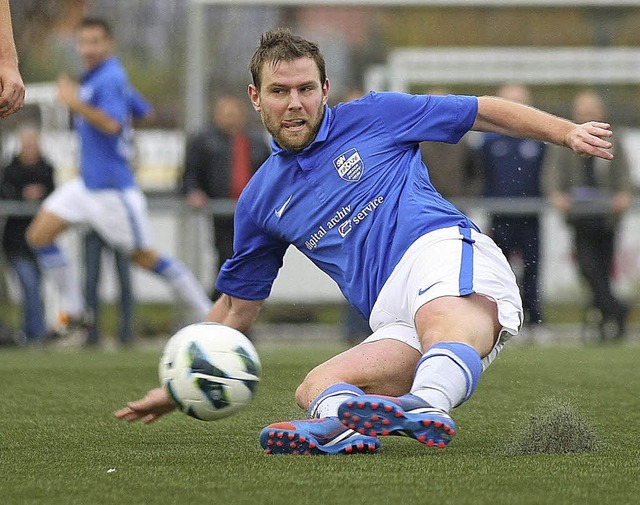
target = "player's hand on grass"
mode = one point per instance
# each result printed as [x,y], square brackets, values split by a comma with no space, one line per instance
[590,139]
[155,404]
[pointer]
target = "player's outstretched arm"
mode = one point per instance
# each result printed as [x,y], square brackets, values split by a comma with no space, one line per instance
[235,312]
[516,120]
[155,404]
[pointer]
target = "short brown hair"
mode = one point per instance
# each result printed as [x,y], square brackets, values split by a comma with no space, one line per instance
[90,22]
[282,45]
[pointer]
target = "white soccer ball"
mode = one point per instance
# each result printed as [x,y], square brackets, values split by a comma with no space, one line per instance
[210,370]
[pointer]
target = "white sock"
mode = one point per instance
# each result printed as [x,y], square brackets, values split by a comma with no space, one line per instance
[327,402]
[54,264]
[184,284]
[447,375]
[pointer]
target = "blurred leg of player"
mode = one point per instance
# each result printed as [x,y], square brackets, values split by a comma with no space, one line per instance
[120,218]
[41,235]
[182,282]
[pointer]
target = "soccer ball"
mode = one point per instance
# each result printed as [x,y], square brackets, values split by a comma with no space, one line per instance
[210,370]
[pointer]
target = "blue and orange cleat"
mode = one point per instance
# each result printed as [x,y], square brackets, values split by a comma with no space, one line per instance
[326,435]
[406,415]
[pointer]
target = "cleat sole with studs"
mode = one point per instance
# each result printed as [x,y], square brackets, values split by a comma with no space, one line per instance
[384,417]
[292,442]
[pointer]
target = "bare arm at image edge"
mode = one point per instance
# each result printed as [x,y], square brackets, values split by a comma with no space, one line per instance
[11,85]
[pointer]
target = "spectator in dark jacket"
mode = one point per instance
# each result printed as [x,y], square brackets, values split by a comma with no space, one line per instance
[28,177]
[219,161]
[593,195]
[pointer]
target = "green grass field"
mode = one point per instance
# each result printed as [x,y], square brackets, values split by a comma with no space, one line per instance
[61,445]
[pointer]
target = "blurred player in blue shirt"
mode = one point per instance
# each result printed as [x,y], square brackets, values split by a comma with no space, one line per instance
[105,196]
[346,186]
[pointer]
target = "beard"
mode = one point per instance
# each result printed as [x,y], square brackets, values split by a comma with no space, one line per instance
[294,141]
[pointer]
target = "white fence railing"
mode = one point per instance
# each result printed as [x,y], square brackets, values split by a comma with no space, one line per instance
[187,234]
[406,67]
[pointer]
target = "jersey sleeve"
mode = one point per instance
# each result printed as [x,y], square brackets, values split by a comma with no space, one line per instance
[436,118]
[112,97]
[138,105]
[257,258]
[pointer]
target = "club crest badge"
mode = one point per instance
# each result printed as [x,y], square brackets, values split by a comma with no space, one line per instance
[349,165]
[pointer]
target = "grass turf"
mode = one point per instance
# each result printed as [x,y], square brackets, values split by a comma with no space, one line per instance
[60,445]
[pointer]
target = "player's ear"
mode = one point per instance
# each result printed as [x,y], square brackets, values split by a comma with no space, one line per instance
[325,92]
[254,96]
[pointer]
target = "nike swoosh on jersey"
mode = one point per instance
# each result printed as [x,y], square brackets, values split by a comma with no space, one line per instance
[280,211]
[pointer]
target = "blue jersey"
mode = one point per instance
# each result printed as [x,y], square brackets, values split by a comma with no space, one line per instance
[104,158]
[353,201]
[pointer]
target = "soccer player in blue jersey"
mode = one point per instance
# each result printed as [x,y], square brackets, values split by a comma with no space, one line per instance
[105,195]
[347,187]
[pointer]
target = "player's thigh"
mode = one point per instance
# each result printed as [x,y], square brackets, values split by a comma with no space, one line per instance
[382,367]
[471,319]
[121,219]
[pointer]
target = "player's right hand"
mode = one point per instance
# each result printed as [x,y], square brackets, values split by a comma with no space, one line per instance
[155,404]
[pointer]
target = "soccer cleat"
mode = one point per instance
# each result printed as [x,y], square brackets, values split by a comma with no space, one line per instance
[325,435]
[406,415]
[68,324]
[70,331]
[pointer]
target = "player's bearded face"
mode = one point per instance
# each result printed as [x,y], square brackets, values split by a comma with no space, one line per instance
[291,102]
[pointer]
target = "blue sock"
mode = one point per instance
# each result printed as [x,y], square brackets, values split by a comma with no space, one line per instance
[161,266]
[447,375]
[50,256]
[327,402]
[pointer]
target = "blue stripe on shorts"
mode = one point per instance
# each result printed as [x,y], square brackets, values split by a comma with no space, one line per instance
[133,222]
[466,263]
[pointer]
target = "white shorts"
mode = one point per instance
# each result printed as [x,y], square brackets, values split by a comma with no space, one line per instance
[119,216]
[448,262]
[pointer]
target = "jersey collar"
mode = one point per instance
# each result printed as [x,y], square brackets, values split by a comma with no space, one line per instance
[104,63]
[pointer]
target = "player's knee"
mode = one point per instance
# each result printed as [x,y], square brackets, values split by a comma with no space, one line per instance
[35,239]
[472,320]
[145,259]
[312,385]
[302,397]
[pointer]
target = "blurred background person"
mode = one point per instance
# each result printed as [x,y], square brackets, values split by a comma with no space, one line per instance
[511,168]
[28,177]
[105,194]
[94,247]
[219,161]
[593,195]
